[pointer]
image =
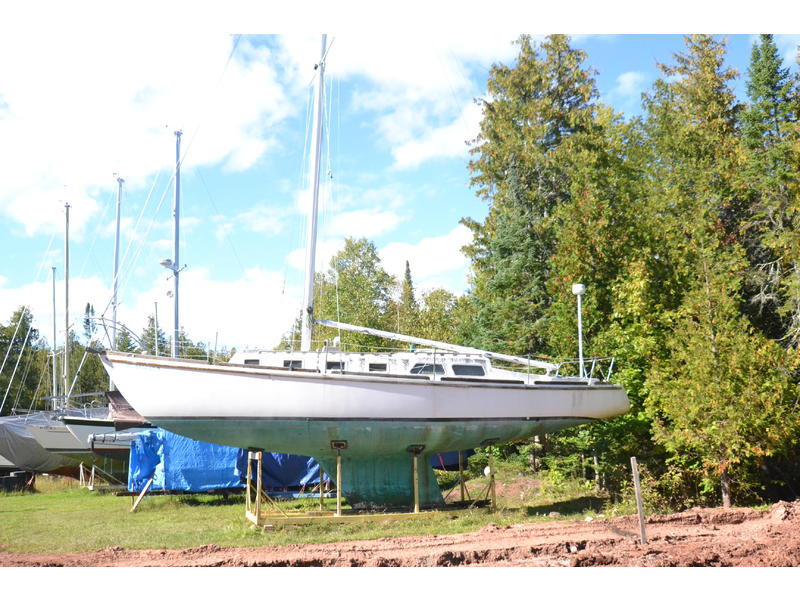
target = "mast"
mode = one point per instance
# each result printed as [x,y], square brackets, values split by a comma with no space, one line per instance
[311,245]
[55,368]
[177,215]
[66,306]
[120,181]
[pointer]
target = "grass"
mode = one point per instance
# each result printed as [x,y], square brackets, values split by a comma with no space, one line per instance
[62,517]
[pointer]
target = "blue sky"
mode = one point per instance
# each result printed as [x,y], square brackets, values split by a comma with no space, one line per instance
[102,102]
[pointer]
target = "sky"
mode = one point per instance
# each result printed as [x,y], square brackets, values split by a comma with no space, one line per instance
[84,105]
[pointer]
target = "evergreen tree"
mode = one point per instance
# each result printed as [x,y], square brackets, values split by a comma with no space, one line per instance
[125,341]
[154,341]
[24,363]
[407,307]
[536,110]
[723,400]
[771,138]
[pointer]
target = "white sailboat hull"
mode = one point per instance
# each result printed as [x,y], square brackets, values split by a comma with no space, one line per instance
[301,412]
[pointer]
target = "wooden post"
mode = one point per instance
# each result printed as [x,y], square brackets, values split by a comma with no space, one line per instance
[639,505]
[461,473]
[414,459]
[259,457]
[491,479]
[249,481]
[338,483]
[141,495]
[321,489]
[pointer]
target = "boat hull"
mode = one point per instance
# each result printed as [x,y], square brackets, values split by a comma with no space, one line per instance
[380,418]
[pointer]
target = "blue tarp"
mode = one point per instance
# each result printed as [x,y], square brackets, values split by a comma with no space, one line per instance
[177,463]
[283,471]
[448,461]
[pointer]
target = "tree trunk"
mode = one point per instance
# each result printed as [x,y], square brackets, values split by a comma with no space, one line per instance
[725,484]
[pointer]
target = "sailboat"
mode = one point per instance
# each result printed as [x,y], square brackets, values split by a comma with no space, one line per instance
[58,440]
[374,410]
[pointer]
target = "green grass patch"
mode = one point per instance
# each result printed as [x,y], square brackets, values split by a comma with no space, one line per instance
[62,517]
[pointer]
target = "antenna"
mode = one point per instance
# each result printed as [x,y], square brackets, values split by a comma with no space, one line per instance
[578,289]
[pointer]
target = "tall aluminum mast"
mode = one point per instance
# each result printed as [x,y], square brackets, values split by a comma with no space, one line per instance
[66,307]
[311,245]
[177,215]
[120,181]
[55,368]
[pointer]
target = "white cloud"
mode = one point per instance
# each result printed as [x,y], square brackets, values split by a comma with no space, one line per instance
[79,107]
[447,141]
[254,310]
[38,297]
[434,261]
[368,223]
[628,90]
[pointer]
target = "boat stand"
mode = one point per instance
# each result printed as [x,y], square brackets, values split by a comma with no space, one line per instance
[255,498]
[89,479]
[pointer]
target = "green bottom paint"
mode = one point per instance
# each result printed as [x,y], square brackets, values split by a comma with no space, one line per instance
[376,464]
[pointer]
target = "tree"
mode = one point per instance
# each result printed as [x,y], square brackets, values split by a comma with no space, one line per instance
[154,341]
[125,342]
[771,140]
[722,401]
[23,359]
[356,290]
[536,110]
[407,307]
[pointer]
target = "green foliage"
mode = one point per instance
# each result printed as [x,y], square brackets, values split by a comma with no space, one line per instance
[24,377]
[540,112]
[153,340]
[771,144]
[357,290]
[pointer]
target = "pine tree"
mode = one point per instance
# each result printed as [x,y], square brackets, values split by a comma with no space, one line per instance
[154,341]
[407,307]
[771,138]
[23,359]
[536,110]
[125,342]
[723,400]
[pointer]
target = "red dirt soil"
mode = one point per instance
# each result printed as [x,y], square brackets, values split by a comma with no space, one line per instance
[698,537]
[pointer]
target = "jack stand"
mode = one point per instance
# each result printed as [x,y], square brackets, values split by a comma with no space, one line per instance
[461,475]
[338,483]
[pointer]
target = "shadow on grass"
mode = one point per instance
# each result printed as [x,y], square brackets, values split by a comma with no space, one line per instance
[209,500]
[567,507]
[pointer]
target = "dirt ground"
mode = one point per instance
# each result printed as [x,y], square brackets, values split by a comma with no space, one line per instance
[698,537]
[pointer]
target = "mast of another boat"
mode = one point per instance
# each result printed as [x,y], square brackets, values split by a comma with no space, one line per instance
[66,308]
[177,215]
[311,245]
[55,367]
[114,301]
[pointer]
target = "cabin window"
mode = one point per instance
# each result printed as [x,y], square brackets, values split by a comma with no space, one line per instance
[334,365]
[469,370]
[426,368]
[252,361]
[377,367]
[293,364]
